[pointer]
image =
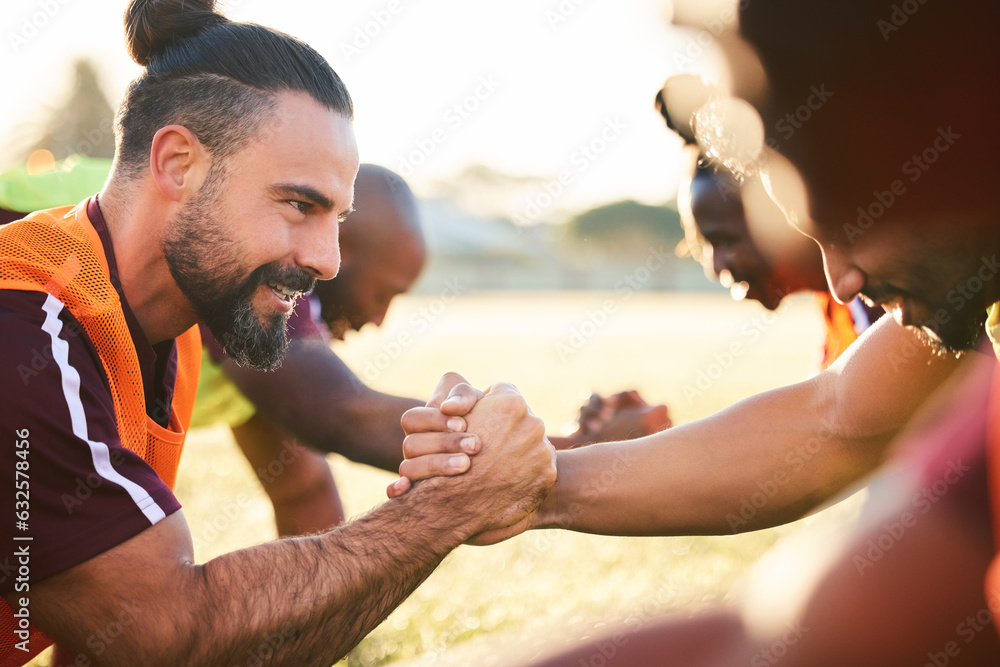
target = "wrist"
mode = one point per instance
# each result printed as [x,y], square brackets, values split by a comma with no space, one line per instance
[555,511]
[439,505]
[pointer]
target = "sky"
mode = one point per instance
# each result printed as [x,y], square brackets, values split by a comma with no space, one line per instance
[556,90]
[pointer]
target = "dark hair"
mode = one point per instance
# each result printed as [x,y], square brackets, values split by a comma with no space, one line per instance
[896,73]
[216,77]
[702,165]
[682,87]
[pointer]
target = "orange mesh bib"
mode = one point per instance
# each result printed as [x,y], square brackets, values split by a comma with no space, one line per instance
[59,252]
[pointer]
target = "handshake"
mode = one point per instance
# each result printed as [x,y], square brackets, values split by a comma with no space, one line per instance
[489,455]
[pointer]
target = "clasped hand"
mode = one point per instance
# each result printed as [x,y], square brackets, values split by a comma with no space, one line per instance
[514,463]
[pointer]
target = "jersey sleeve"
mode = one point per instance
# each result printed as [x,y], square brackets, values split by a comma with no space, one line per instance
[73,490]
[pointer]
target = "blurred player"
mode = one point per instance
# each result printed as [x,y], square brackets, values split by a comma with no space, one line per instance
[765,264]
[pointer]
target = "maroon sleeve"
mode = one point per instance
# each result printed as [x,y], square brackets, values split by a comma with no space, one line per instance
[69,484]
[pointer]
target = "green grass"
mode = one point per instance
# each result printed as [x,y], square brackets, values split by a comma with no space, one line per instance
[544,586]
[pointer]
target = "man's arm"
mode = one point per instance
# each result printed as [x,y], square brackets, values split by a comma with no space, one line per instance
[764,461]
[315,397]
[622,416]
[917,606]
[302,601]
[297,480]
[913,601]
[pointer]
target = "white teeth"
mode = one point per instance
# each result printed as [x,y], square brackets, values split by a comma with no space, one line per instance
[284,291]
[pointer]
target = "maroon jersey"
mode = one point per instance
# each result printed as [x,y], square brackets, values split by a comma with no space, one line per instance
[87,493]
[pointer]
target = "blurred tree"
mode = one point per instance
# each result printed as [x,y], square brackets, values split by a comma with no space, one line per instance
[83,123]
[625,229]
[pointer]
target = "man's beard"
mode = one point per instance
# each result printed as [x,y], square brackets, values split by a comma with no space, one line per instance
[205,265]
[336,320]
[955,337]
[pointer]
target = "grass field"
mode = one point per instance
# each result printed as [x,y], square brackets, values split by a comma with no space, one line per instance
[544,586]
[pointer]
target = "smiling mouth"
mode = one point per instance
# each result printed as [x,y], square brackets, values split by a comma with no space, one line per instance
[893,307]
[285,293]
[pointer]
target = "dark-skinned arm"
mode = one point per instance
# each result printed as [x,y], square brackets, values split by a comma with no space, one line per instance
[297,480]
[764,461]
[315,397]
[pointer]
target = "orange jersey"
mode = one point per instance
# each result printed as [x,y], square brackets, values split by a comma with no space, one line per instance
[58,252]
[841,327]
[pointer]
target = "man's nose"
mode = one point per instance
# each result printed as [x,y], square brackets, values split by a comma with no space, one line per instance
[320,249]
[843,277]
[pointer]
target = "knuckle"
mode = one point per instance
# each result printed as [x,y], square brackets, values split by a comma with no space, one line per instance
[551,474]
[409,446]
[536,428]
[409,420]
[512,407]
[450,443]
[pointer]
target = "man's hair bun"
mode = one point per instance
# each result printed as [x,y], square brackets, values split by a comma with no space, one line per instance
[152,25]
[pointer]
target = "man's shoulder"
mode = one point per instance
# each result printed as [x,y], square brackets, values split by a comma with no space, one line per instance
[26,312]
[37,330]
[89,492]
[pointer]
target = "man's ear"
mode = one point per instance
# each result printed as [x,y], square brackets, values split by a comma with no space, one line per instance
[178,162]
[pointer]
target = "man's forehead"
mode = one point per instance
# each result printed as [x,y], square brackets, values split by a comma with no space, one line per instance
[308,146]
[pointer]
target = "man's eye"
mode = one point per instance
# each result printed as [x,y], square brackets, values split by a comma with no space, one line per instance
[303,207]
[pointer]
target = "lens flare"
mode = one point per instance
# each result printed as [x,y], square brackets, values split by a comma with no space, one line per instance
[739,290]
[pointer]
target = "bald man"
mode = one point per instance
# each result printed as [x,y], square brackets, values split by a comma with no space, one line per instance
[286,420]
[382,252]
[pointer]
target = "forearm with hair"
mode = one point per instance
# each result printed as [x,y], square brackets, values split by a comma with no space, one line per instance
[316,597]
[299,601]
[302,601]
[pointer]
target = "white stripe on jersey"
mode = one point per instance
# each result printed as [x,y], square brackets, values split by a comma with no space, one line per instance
[71,391]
